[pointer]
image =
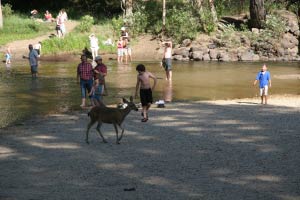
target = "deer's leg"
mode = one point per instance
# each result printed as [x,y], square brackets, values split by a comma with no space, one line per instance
[121,132]
[98,129]
[117,134]
[87,131]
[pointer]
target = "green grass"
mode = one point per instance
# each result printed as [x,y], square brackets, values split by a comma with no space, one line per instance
[18,27]
[75,42]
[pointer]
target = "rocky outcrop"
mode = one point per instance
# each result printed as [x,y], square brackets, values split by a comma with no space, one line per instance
[238,46]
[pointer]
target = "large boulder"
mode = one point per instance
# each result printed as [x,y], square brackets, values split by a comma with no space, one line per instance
[206,57]
[289,41]
[186,43]
[291,21]
[197,55]
[214,54]
[247,56]
[183,51]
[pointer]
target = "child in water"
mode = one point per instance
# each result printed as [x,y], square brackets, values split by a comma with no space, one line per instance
[7,56]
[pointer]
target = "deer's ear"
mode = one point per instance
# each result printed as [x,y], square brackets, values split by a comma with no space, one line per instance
[124,100]
[131,99]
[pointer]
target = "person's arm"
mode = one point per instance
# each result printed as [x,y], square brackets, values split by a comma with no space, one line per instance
[154,79]
[254,83]
[78,76]
[257,78]
[270,82]
[137,87]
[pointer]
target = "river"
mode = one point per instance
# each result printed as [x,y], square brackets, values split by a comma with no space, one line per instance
[56,89]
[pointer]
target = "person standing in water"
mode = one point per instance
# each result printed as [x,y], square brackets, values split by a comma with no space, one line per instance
[33,58]
[167,60]
[264,78]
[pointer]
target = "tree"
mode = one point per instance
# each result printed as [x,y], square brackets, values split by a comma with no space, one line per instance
[257,13]
[164,17]
[1,18]
[213,11]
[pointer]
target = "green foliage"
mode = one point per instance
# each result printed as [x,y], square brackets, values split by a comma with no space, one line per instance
[139,21]
[72,43]
[181,24]
[231,7]
[275,25]
[18,27]
[271,6]
[229,37]
[69,43]
[117,23]
[207,21]
[86,23]
[6,10]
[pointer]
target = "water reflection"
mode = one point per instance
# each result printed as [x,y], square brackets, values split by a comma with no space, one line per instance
[56,88]
[168,91]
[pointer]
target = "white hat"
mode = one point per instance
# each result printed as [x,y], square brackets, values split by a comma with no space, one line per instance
[123,28]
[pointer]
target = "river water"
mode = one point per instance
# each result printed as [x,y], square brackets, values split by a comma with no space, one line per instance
[56,89]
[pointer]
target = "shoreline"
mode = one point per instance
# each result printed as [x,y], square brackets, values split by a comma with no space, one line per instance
[285,100]
[187,150]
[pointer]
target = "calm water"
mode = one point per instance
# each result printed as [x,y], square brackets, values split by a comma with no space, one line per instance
[56,88]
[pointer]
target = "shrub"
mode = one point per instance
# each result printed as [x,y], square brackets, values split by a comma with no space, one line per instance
[275,25]
[86,23]
[207,21]
[181,24]
[139,21]
[6,10]
[117,23]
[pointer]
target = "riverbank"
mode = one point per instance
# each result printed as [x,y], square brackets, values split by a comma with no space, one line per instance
[235,149]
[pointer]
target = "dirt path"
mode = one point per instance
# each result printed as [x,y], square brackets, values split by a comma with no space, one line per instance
[146,48]
[201,150]
[20,47]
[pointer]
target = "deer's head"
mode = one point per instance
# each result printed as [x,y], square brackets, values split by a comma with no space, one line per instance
[130,104]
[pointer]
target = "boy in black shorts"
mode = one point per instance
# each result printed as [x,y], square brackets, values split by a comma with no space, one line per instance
[143,83]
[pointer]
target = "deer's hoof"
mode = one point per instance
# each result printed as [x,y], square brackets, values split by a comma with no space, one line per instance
[118,142]
[87,142]
[104,141]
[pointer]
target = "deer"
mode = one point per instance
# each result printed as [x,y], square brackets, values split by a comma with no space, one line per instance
[115,116]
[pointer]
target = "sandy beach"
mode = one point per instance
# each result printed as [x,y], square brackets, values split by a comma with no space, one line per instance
[227,149]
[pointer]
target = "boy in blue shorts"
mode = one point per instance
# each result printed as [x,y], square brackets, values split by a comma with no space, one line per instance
[264,78]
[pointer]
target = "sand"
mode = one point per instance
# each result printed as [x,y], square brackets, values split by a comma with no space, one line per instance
[235,149]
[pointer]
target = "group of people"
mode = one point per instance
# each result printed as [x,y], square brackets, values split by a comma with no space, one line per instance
[92,80]
[124,48]
[60,27]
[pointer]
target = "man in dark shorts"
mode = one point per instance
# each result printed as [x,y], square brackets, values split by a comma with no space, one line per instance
[143,83]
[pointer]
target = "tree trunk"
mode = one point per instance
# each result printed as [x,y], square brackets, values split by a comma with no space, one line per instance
[198,4]
[257,13]
[129,6]
[213,11]
[164,18]
[1,18]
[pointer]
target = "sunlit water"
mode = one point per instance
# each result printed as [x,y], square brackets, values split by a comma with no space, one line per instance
[56,89]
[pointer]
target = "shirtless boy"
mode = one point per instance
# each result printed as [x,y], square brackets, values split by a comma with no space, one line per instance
[143,83]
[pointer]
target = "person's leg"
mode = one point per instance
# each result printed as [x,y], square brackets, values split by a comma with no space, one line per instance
[129,54]
[261,93]
[82,88]
[266,94]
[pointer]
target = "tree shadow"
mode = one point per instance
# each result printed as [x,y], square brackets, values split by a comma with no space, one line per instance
[185,151]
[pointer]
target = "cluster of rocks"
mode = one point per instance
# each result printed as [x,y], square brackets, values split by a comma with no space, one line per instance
[286,48]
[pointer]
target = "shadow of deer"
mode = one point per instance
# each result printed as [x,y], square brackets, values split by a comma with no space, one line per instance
[115,116]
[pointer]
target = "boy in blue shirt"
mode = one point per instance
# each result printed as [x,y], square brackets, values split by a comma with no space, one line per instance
[264,79]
